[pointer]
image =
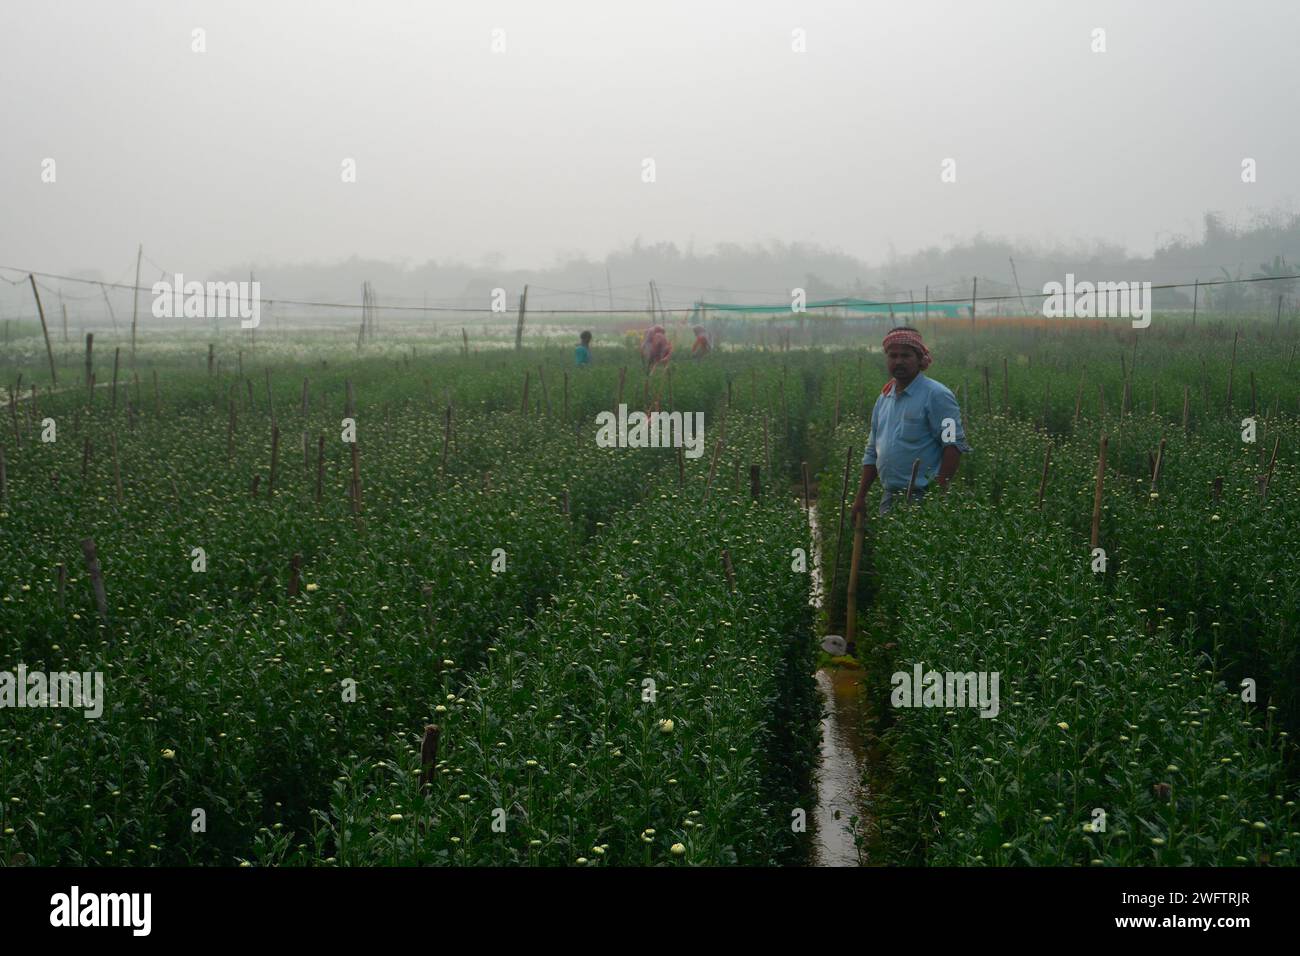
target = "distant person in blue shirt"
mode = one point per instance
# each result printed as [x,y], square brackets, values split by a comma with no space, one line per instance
[582,354]
[915,418]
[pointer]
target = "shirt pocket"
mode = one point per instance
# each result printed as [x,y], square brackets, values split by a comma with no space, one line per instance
[914,428]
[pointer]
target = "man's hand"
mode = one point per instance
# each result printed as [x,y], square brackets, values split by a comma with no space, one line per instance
[859,509]
[860,499]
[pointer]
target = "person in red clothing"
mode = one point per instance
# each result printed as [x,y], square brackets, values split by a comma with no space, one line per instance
[701,346]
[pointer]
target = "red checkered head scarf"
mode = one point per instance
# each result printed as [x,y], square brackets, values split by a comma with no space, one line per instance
[912,339]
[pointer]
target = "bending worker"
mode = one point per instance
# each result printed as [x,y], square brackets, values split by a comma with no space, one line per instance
[915,417]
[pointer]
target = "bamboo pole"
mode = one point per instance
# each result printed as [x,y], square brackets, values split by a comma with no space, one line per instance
[49,352]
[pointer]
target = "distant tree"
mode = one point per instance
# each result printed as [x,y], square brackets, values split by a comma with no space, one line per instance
[1267,292]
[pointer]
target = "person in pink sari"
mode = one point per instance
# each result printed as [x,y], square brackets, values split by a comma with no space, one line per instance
[655,348]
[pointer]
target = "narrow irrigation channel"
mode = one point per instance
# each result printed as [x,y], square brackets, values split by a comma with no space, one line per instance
[843,802]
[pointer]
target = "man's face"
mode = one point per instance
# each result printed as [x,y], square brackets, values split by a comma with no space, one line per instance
[904,363]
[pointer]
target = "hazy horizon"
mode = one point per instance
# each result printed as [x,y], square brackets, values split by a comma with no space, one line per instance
[533,156]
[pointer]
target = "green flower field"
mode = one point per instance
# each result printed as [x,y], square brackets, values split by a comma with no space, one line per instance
[393,607]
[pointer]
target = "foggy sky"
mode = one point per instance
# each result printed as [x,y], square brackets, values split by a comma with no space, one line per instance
[232,156]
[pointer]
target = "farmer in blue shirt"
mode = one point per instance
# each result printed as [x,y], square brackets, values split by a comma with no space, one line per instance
[914,418]
[582,354]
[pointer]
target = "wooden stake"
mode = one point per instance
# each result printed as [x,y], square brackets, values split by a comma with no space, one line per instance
[851,597]
[275,458]
[1042,484]
[713,468]
[13,415]
[295,565]
[839,527]
[117,472]
[96,577]
[90,366]
[117,355]
[1232,367]
[1187,397]
[1096,500]
[731,572]
[356,479]
[1268,477]
[1216,489]
[523,405]
[911,482]
[446,438]
[429,756]
[1155,470]
[519,329]
[135,298]
[835,422]
[320,466]
[767,448]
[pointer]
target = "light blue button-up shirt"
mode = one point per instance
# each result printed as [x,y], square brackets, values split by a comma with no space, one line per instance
[910,424]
